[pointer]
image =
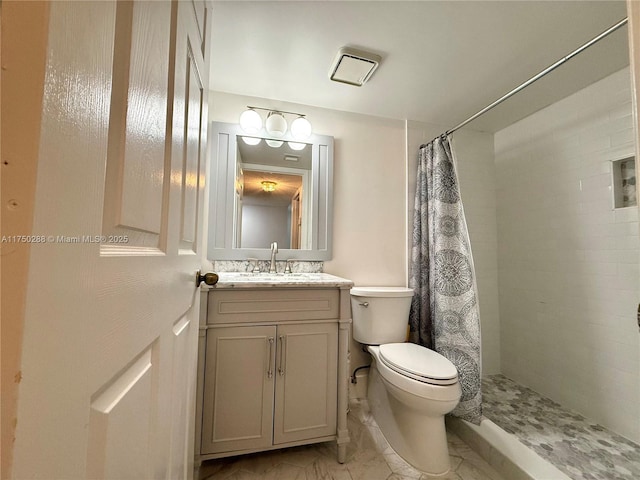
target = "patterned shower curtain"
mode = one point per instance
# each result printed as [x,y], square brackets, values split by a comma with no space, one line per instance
[444,312]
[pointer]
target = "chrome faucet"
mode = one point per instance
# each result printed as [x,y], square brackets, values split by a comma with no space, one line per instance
[274,250]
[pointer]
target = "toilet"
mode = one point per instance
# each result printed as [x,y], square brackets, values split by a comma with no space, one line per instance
[410,388]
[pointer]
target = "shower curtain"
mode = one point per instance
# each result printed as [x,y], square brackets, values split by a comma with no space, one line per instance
[444,311]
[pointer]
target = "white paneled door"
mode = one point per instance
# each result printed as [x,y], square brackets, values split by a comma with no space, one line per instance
[108,363]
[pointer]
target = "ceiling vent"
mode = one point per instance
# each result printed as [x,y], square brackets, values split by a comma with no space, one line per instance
[353,66]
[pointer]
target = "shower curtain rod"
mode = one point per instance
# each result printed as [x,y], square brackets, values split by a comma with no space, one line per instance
[540,75]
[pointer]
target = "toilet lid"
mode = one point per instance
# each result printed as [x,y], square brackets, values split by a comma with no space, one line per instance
[419,363]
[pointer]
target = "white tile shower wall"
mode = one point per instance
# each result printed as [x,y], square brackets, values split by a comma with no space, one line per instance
[568,263]
[476,171]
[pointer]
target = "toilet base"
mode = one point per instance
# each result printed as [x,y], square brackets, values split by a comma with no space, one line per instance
[420,439]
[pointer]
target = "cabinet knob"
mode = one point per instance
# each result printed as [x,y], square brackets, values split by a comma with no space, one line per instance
[209,278]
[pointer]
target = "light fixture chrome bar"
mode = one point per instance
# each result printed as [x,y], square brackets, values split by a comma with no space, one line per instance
[540,75]
[276,110]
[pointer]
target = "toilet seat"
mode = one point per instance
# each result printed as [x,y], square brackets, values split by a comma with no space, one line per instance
[418,363]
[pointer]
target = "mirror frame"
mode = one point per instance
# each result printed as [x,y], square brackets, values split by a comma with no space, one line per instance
[223,156]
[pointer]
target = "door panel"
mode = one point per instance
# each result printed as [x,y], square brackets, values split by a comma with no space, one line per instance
[194,142]
[136,163]
[182,412]
[306,385]
[110,341]
[202,13]
[199,10]
[238,392]
[115,412]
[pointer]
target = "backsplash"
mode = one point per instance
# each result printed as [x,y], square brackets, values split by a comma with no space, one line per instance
[297,266]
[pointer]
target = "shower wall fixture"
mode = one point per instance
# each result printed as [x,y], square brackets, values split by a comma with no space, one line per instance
[624,182]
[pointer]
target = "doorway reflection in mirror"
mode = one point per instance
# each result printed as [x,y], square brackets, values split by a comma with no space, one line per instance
[272,201]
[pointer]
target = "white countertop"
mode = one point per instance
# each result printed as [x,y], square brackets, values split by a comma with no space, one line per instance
[276,280]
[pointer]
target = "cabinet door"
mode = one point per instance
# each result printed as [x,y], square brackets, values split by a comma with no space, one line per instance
[306,384]
[239,388]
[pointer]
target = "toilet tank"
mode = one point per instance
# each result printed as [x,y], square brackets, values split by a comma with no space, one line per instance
[380,314]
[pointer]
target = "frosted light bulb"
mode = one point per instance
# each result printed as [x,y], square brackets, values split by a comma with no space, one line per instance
[301,128]
[276,124]
[250,121]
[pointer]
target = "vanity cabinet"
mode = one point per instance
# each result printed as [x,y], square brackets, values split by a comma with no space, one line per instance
[306,376]
[269,385]
[273,370]
[238,392]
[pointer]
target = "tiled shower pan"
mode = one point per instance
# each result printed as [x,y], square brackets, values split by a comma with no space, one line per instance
[527,436]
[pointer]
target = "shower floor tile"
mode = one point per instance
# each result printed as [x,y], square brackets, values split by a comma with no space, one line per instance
[576,446]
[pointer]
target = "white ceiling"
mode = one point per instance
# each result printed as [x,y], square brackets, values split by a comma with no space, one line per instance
[442,61]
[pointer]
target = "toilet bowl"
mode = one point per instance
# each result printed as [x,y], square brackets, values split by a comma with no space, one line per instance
[411,412]
[410,387]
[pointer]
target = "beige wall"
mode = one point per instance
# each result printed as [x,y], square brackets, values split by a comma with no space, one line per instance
[374,187]
[369,230]
[369,196]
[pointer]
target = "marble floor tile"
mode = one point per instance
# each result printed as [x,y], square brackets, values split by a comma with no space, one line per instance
[469,471]
[369,457]
[400,467]
[285,470]
[582,449]
[298,456]
[327,469]
[374,468]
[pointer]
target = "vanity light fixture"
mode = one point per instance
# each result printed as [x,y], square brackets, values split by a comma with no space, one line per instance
[353,66]
[276,126]
[268,186]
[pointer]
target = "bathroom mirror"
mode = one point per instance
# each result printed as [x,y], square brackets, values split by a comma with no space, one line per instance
[264,190]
